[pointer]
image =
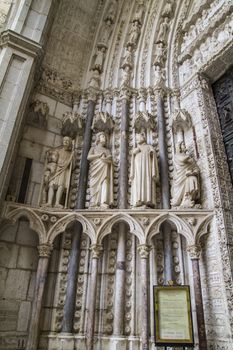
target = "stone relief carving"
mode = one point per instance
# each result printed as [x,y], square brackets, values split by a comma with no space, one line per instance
[186,182]
[101,174]
[38,114]
[163,31]
[134,34]
[57,173]
[111,11]
[95,79]
[160,54]
[99,59]
[143,174]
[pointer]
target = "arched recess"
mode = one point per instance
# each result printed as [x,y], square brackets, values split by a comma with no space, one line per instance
[182,227]
[35,222]
[134,227]
[62,224]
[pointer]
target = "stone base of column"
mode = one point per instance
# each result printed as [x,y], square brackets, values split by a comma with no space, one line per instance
[61,341]
[72,342]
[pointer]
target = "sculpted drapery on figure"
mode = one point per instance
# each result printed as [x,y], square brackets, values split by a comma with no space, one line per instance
[101,173]
[57,174]
[186,183]
[144,174]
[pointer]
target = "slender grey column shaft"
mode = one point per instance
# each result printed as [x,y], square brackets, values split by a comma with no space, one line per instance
[199,305]
[41,274]
[164,180]
[163,160]
[123,171]
[69,308]
[92,299]
[144,254]
[118,325]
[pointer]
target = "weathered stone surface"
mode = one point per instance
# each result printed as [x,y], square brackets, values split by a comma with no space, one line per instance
[25,235]
[8,254]
[8,315]
[24,316]
[17,284]
[28,258]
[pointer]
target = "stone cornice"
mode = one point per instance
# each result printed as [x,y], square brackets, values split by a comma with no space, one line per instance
[20,43]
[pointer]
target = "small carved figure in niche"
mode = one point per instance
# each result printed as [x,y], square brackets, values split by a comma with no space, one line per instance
[57,174]
[139,12]
[101,174]
[167,11]
[95,79]
[38,114]
[160,52]
[163,31]
[186,183]
[128,58]
[105,32]
[112,11]
[144,174]
[99,60]
[126,77]
[134,34]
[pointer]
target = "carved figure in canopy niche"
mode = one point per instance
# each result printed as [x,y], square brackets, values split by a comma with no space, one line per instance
[186,181]
[101,173]
[57,175]
[144,174]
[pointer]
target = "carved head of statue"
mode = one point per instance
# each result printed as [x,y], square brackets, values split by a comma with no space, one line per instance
[181,148]
[67,143]
[101,138]
[141,137]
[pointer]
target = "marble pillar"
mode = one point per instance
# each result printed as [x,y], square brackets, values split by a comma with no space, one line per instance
[194,253]
[69,308]
[144,251]
[41,274]
[122,204]
[96,253]
[164,182]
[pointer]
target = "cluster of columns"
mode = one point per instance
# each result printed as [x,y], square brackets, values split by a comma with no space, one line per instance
[119,302]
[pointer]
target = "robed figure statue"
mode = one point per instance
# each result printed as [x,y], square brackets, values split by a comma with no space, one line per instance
[144,174]
[186,182]
[101,174]
[57,174]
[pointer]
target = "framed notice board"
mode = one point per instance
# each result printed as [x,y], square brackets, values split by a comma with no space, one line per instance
[173,316]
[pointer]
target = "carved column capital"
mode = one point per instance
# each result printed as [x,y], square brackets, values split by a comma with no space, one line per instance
[159,91]
[194,251]
[45,250]
[144,250]
[125,93]
[96,251]
[92,94]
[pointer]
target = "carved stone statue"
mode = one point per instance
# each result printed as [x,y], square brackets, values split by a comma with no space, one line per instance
[126,77]
[95,79]
[99,60]
[163,31]
[160,53]
[143,174]
[134,34]
[186,184]
[105,32]
[101,174]
[57,174]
